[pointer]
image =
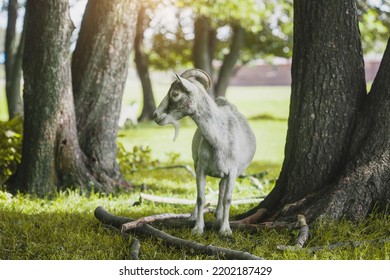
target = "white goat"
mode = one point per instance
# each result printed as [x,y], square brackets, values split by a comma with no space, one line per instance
[223,144]
[128,112]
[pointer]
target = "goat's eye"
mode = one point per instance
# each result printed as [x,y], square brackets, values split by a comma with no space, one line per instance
[175,95]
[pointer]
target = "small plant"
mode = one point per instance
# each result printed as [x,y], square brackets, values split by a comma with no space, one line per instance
[10,147]
[139,158]
[173,157]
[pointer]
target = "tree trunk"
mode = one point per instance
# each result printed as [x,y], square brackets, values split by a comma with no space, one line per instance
[337,154]
[99,70]
[51,155]
[230,61]
[204,46]
[142,65]
[13,63]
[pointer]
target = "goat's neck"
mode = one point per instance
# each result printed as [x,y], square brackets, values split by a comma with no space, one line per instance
[211,122]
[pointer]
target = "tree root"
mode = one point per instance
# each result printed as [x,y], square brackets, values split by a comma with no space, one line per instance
[254,218]
[302,237]
[146,230]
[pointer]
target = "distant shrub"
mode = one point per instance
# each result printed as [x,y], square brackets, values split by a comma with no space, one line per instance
[138,158]
[10,147]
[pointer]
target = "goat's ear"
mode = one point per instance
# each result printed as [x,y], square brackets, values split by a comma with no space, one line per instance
[177,77]
[184,83]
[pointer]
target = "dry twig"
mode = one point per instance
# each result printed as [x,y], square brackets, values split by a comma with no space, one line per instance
[179,201]
[184,166]
[153,218]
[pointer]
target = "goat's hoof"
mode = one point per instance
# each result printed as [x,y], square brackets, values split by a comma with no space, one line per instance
[227,232]
[197,231]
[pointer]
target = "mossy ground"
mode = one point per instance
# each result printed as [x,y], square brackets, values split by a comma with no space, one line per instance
[65,227]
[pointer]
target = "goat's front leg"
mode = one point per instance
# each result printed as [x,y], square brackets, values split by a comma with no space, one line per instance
[226,202]
[221,194]
[200,201]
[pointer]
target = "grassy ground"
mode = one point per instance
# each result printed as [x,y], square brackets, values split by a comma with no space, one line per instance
[64,227]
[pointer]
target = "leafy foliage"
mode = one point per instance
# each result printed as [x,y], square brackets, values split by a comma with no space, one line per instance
[10,147]
[268,25]
[139,157]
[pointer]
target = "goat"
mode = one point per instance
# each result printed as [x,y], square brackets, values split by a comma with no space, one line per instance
[128,112]
[223,144]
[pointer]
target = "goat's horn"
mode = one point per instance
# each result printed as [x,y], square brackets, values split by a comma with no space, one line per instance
[200,75]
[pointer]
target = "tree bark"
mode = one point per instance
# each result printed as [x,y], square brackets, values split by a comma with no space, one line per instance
[230,61]
[99,70]
[51,156]
[204,46]
[142,65]
[13,65]
[337,153]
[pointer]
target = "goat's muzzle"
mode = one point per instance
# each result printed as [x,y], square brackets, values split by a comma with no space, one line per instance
[164,119]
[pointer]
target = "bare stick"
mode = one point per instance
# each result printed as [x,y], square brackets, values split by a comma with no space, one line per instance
[159,217]
[184,166]
[107,218]
[153,218]
[179,201]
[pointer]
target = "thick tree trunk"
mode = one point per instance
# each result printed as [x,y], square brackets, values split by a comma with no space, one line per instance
[142,65]
[51,156]
[204,46]
[364,184]
[13,65]
[99,70]
[337,155]
[230,61]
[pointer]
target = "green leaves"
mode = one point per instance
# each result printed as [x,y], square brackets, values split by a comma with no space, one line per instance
[139,158]
[10,147]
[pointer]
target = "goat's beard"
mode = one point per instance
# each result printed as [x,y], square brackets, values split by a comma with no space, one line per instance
[166,119]
[175,124]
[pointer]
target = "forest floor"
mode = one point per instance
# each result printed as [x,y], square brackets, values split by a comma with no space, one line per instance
[64,227]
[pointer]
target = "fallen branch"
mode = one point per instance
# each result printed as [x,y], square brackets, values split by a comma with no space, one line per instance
[159,217]
[180,201]
[146,230]
[184,166]
[149,219]
[135,247]
[302,237]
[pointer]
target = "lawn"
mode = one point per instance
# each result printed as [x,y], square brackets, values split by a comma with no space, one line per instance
[64,227]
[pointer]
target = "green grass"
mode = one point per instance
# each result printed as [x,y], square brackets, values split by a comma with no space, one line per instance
[65,228]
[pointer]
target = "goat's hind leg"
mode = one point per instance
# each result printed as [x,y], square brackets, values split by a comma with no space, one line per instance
[226,202]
